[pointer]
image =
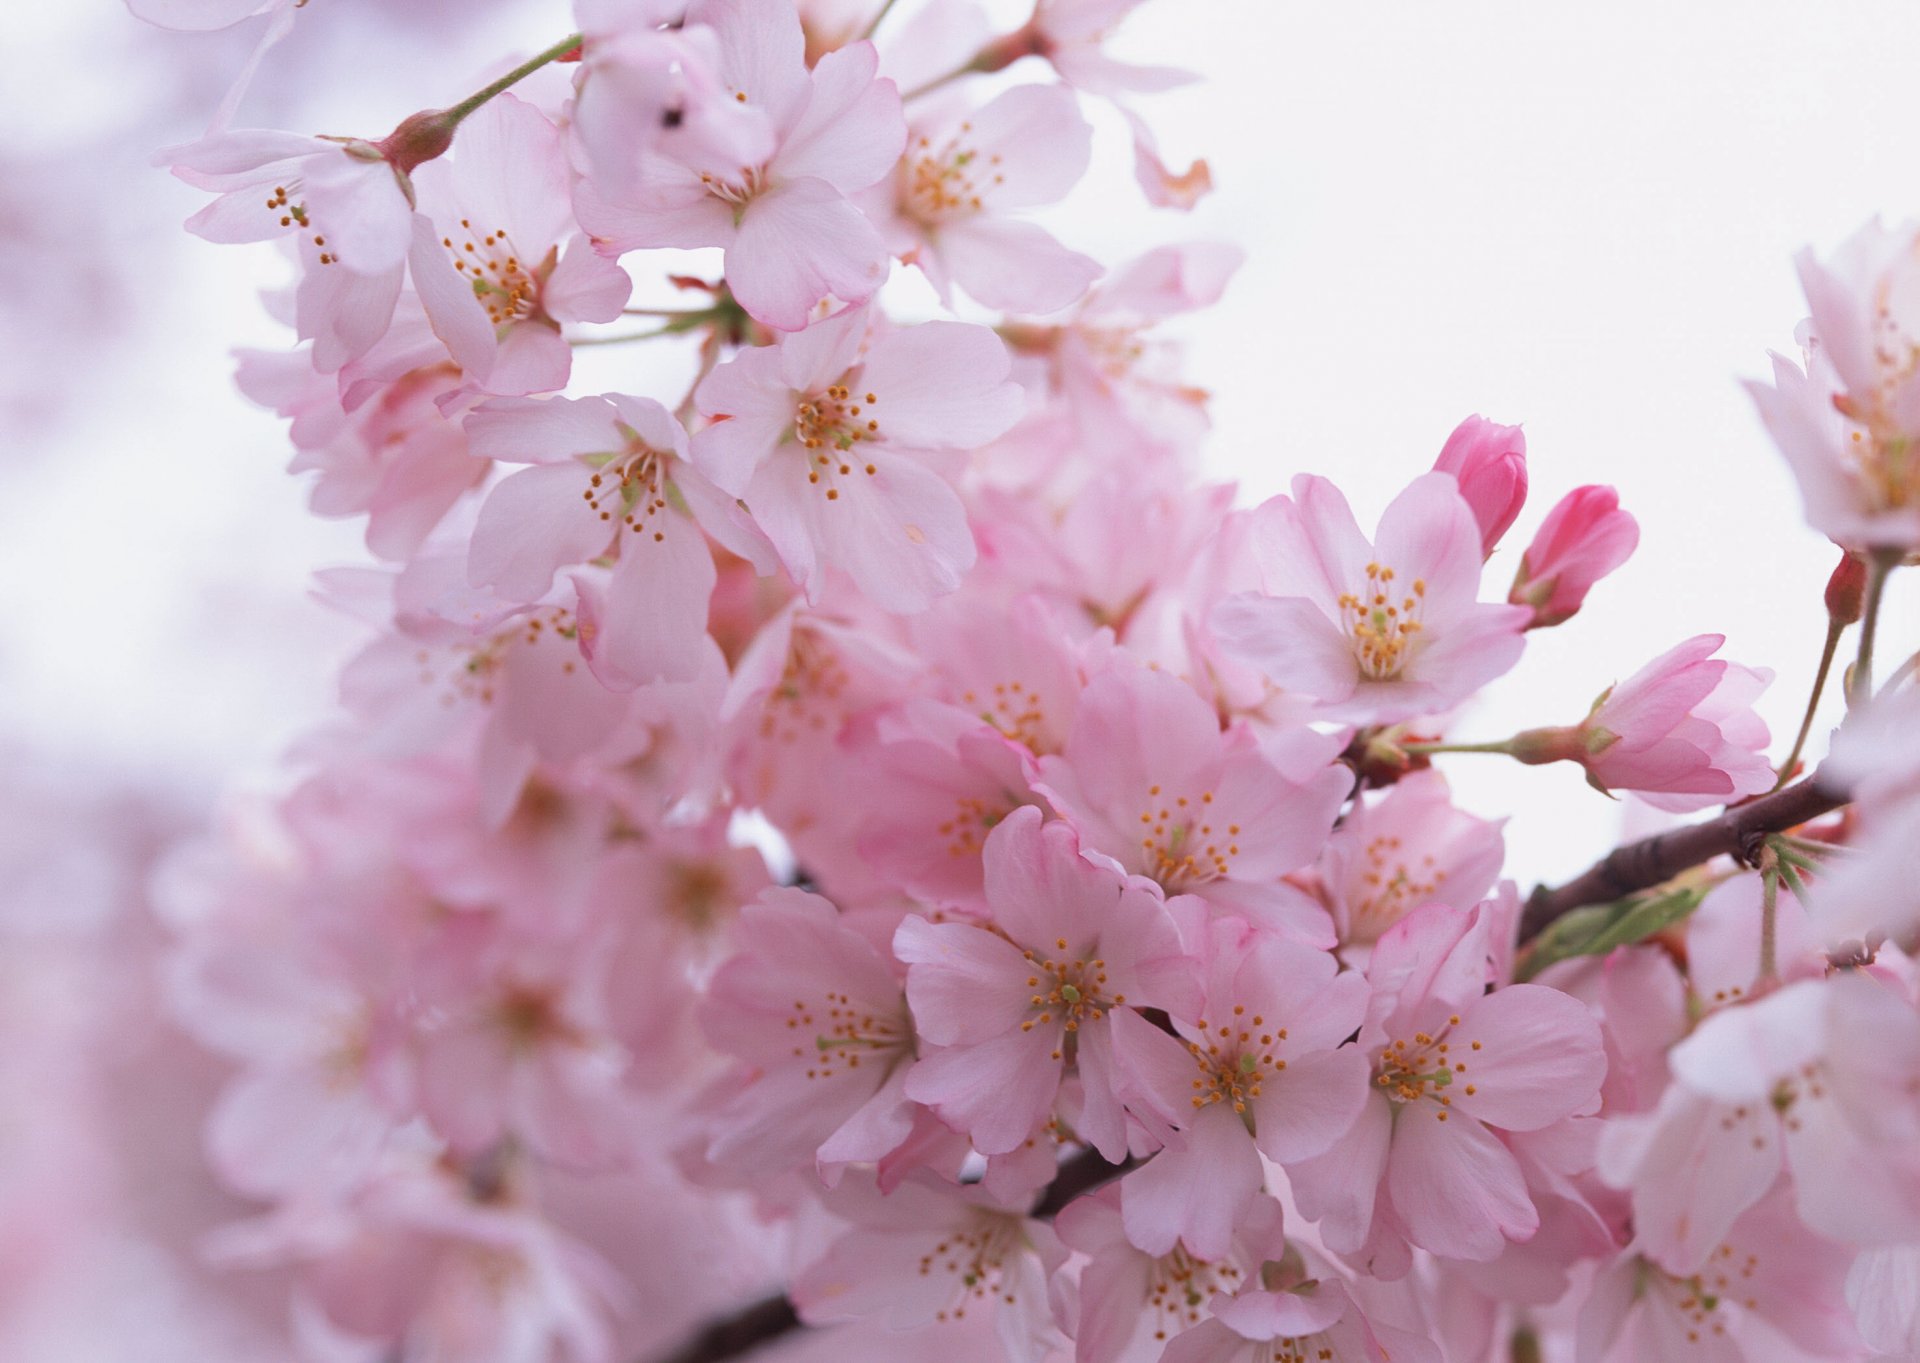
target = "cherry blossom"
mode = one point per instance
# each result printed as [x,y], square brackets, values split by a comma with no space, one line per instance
[791,235]
[1584,537]
[1007,1009]
[1489,462]
[966,170]
[826,437]
[1379,631]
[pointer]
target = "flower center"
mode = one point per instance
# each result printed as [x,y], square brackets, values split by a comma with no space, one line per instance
[506,288]
[1234,1058]
[973,818]
[1015,711]
[975,1256]
[1179,1286]
[844,1032]
[289,213]
[1179,843]
[1391,887]
[632,486]
[948,180]
[1383,623]
[830,426]
[1409,1070]
[1068,991]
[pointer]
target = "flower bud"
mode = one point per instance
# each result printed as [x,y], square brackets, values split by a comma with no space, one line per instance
[1585,537]
[1847,590]
[1489,462]
[419,139]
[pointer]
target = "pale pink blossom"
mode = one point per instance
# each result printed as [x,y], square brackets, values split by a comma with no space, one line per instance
[1071,34]
[398,458]
[609,478]
[1259,1068]
[1008,1010]
[1585,537]
[1786,1076]
[1132,1303]
[501,206]
[927,1253]
[1451,1065]
[1148,778]
[935,782]
[1405,849]
[1848,422]
[791,234]
[1489,462]
[1315,1319]
[826,438]
[1374,632]
[1765,1286]
[447,1262]
[1681,733]
[815,1010]
[342,203]
[518,1047]
[967,173]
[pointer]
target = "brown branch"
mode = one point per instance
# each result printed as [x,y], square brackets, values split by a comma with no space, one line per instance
[768,1319]
[1658,859]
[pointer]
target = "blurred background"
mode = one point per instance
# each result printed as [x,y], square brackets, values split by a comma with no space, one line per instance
[1576,218]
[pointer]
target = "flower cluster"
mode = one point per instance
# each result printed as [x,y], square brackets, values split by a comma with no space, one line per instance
[878,823]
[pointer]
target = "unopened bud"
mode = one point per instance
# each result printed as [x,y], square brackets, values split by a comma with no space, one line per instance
[419,138]
[1847,590]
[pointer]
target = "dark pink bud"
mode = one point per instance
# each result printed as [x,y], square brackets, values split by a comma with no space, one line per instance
[420,138]
[1489,461]
[1585,537]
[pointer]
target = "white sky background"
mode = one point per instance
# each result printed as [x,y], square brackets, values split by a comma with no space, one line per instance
[1576,217]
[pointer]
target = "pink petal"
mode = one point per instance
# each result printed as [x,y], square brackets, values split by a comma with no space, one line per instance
[798,244]
[1457,1188]
[1195,1192]
[1541,1058]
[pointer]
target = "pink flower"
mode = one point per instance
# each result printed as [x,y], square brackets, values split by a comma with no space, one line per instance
[1130,1302]
[1787,1074]
[343,204]
[1069,33]
[815,1010]
[1374,632]
[1317,1320]
[927,1252]
[453,1263]
[609,478]
[1010,1008]
[1766,1276]
[1848,423]
[1681,732]
[791,234]
[1489,462]
[1408,848]
[1452,1064]
[824,438]
[398,458]
[1148,778]
[518,1048]
[1258,1069]
[1162,186]
[1585,537]
[935,781]
[966,172]
[501,209]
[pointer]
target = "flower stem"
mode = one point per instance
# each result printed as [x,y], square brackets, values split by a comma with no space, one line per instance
[1879,568]
[1834,630]
[1505,745]
[1769,913]
[454,113]
[873,27]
